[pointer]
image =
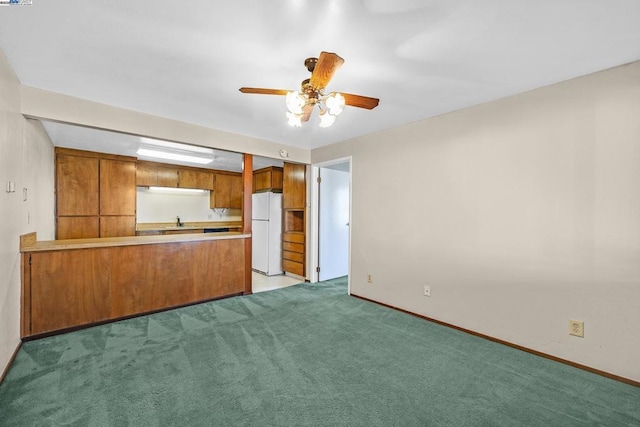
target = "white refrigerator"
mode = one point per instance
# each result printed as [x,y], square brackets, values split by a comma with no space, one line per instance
[266,233]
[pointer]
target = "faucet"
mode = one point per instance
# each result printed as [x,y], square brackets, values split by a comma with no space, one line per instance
[178,223]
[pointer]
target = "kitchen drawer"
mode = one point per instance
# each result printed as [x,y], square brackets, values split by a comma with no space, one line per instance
[293,237]
[293,256]
[293,247]
[293,267]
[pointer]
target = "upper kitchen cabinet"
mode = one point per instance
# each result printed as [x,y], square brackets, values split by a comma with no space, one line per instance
[294,188]
[146,174]
[227,191]
[117,187]
[195,178]
[267,179]
[150,174]
[76,184]
[95,194]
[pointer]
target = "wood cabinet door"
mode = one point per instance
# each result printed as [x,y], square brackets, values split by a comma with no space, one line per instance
[117,226]
[294,189]
[267,179]
[146,174]
[261,180]
[235,198]
[227,191]
[63,296]
[117,187]
[77,185]
[167,176]
[193,178]
[77,227]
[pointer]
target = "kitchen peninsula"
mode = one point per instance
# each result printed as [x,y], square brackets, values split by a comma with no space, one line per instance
[81,282]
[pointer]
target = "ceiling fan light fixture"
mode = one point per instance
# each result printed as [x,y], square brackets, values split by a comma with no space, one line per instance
[326,119]
[295,120]
[335,103]
[295,102]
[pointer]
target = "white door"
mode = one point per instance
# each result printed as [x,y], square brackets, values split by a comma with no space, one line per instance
[333,220]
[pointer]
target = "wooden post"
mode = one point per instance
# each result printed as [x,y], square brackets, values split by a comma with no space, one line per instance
[247,192]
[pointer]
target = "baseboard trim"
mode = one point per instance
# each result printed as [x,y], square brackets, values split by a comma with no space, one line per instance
[5,371]
[512,345]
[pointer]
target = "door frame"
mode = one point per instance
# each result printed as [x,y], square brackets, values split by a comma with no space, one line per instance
[314,240]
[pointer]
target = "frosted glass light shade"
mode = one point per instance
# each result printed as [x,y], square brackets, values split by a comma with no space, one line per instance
[335,103]
[326,119]
[295,102]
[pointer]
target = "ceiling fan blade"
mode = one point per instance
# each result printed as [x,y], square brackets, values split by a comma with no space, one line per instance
[360,101]
[327,64]
[306,112]
[262,91]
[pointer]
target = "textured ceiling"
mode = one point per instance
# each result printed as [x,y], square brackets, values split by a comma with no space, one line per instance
[422,58]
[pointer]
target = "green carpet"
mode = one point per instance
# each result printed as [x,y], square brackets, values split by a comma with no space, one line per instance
[299,356]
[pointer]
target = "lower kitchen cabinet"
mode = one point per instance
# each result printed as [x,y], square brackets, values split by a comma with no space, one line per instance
[69,288]
[293,253]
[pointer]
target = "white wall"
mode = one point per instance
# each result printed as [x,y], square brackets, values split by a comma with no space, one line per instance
[190,207]
[26,158]
[520,214]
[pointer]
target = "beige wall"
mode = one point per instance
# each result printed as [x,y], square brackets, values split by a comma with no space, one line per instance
[26,158]
[520,214]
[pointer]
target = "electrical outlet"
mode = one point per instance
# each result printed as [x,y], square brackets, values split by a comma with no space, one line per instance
[576,328]
[427,290]
[369,278]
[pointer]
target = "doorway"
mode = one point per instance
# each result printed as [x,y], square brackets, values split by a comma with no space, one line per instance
[332,216]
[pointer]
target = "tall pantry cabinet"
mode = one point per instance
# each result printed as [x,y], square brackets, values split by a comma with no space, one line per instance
[294,202]
[95,195]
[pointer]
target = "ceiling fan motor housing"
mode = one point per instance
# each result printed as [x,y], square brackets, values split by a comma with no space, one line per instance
[310,63]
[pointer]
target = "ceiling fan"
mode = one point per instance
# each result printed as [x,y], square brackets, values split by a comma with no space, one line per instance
[301,103]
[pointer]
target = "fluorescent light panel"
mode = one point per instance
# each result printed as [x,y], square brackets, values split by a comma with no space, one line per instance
[176,146]
[173,156]
[175,190]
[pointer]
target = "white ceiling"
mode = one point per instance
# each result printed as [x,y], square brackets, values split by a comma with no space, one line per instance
[186,60]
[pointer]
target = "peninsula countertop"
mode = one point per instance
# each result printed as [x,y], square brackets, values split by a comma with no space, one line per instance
[201,225]
[31,245]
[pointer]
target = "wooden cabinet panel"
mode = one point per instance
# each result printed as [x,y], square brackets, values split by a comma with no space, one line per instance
[77,185]
[293,247]
[117,187]
[294,198]
[117,226]
[267,179]
[90,185]
[146,174]
[293,267]
[76,287]
[294,188]
[78,227]
[293,253]
[193,178]
[293,256]
[227,191]
[167,176]
[293,237]
[69,288]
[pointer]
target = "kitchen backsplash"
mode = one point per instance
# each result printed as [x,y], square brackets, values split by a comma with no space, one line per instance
[190,207]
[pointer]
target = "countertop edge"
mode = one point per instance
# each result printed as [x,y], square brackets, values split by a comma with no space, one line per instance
[58,245]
